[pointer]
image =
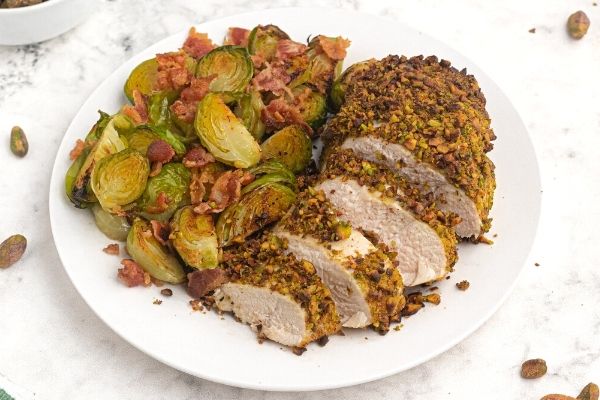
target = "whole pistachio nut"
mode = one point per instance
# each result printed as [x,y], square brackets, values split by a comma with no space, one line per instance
[578,24]
[11,250]
[18,142]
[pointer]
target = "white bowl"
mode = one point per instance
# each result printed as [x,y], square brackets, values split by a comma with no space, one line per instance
[32,24]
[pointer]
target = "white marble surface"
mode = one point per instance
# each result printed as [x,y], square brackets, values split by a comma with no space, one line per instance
[52,344]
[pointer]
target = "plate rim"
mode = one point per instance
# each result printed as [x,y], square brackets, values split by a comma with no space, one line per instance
[484,317]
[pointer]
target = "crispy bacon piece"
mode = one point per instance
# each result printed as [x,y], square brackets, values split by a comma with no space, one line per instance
[139,111]
[257,60]
[160,151]
[334,48]
[237,36]
[77,150]
[112,249]
[197,44]
[131,274]
[161,205]
[185,107]
[202,282]
[279,114]
[160,231]
[225,191]
[287,49]
[197,157]
[173,72]
[272,78]
[199,181]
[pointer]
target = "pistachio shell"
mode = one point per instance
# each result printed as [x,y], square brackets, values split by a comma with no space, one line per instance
[11,250]
[18,142]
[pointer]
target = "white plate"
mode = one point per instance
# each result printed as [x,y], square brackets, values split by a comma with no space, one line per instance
[224,351]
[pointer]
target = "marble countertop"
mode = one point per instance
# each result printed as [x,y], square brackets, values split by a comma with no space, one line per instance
[53,345]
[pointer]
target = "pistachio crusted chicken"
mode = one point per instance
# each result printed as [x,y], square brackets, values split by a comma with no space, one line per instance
[426,121]
[364,284]
[381,202]
[276,294]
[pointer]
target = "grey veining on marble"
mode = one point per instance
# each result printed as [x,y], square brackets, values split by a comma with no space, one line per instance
[52,344]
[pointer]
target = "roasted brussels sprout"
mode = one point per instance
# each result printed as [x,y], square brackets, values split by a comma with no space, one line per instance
[78,178]
[168,126]
[119,179]
[274,167]
[338,89]
[224,135]
[254,211]
[153,257]
[141,78]
[262,41]
[113,226]
[173,182]
[248,109]
[291,146]
[312,105]
[193,236]
[140,138]
[231,65]
[321,70]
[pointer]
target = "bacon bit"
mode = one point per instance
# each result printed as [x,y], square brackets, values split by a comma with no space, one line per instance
[131,274]
[197,157]
[157,302]
[257,60]
[198,181]
[225,191]
[287,49]
[147,279]
[139,111]
[173,72]
[160,231]
[273,78]
[161,205]
[196,306]
[197,44]
[112,249]
[155,168]
[202,282]
[279,114]
[334,48]
[161,151]
[237,36]
[77,150]
[185,107]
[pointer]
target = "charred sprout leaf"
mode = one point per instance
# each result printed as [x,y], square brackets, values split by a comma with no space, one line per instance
[291,146]
[313,106]
[254,211]
[151,255]
[18,142]
[263,40]
[248,109]
[11,250]
[224,135]
[193,236]
[120,179]
[231,65]
[338,89]
[78,177]
[113,226]
[173,182]
[142,78]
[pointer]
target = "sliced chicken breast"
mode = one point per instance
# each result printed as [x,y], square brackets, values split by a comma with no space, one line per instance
[375,200]
[280,297]
[364,284]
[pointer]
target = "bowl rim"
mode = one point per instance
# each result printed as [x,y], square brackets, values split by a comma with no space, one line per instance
[26,9]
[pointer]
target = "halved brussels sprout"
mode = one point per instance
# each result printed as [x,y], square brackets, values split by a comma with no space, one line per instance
[321,70]
[248,109]
[78,178]
[313,105]
[254,211]
[231,65]
[262,41]
[167,125]
[273,167]
[140,139]
[291,145]
[119,179]
[153,257]
[173,181]
[142,78]
[193,236]
[113,226]
[338,89]
[224,135]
